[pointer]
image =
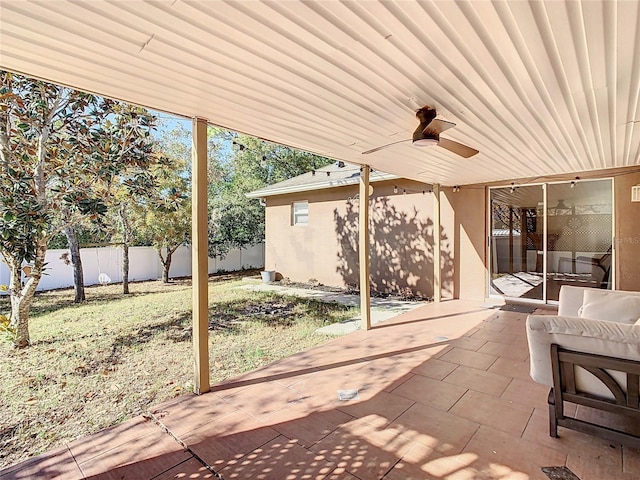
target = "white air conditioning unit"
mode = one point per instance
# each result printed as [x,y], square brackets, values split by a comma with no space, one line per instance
[635,193]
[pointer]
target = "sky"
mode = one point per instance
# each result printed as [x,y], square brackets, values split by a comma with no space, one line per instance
[169,122]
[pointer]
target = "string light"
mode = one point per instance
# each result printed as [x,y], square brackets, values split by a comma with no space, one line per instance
[455,188]
[238,145]
[264,161]
[405,191]
[513,186]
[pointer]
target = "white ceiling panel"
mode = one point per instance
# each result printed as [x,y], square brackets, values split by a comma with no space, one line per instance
[539,88]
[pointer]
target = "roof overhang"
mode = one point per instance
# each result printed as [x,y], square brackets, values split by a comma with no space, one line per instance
[311,185]
[539,88]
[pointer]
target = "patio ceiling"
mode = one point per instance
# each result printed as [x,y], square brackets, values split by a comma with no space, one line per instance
[539,88]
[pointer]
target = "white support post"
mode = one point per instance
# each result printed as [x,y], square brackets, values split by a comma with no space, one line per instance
[437,270]
[363,247]
[200,257]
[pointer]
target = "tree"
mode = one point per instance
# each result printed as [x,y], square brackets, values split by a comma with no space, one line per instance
[251,163]
[57,162]
[165,216]
[167,224]
[130,143]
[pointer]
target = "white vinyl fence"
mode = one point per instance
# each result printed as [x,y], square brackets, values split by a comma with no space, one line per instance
[104,265]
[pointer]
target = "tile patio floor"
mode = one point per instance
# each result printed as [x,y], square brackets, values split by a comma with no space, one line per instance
[444,393]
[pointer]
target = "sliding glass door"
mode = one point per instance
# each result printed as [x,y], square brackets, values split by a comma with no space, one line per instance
[517,232]
[580,232]
[548,235]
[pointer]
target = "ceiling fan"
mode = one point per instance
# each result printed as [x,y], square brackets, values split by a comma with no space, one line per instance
[428,134]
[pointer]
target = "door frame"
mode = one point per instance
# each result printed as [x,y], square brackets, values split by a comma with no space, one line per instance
[543,185]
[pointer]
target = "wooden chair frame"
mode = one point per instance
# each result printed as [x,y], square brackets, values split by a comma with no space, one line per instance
[626,401]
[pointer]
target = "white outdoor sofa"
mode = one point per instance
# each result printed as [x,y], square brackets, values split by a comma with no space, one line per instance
[589,354]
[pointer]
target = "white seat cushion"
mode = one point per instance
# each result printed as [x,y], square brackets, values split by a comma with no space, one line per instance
[611,339]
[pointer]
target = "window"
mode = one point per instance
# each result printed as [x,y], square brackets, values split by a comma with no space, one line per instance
[300,213]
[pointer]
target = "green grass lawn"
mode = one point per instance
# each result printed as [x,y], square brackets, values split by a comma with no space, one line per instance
[95,364]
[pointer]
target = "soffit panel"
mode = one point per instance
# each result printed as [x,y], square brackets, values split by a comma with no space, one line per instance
[540,88]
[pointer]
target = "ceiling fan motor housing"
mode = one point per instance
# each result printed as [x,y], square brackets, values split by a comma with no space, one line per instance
[423,136]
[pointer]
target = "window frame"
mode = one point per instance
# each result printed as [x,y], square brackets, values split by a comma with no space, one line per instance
[296,214]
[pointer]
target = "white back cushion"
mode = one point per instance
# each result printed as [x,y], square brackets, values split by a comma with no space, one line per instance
[611,306]
[571,299]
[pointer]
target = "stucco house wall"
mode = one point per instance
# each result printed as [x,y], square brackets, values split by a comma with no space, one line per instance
[326,249]
[464,226]
[464,219]
[402,235]
[627,232]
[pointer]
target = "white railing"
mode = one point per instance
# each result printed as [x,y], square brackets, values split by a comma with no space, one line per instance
[105,263]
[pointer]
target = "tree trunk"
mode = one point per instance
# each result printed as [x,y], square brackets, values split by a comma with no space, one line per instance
[22,296]
[166,261]
[76,261]
[125,247]
[19,315]
[166,266]
[125,268]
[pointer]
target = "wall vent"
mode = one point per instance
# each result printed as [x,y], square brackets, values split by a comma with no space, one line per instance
[635,193]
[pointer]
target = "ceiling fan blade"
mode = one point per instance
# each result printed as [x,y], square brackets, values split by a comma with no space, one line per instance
[457,148]
[373,150]
[438,126]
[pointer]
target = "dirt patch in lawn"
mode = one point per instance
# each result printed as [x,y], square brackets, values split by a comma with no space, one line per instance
[275,311]
[404,294]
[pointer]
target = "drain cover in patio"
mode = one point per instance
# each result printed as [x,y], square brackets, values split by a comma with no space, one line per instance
[518,308]
[344,395]
[559,473]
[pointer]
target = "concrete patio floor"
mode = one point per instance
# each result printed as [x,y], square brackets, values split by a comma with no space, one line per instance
[443,393]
